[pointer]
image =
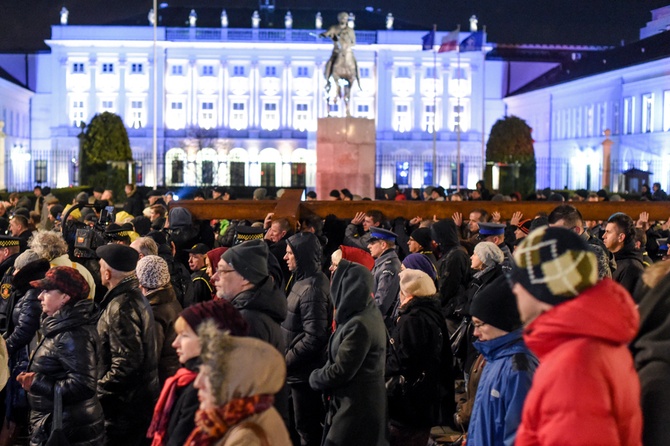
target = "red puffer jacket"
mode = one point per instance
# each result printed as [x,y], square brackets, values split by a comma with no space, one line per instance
[586,390]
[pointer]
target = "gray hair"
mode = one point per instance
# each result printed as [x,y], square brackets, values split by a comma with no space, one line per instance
[146,246]
[48,244]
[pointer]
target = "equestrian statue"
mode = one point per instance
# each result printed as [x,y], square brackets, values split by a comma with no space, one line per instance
[342,63]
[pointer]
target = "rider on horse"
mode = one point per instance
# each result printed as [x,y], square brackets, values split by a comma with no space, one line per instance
[342,63]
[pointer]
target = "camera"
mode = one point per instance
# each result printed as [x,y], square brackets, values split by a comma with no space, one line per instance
[84,239]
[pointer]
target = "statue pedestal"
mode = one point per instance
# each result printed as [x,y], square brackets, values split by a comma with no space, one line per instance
[345,156]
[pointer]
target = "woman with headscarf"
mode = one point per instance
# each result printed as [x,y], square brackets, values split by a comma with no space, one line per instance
[211,263]
[173,419]
[237,381]
[65,360]
[353,376]
[420,362]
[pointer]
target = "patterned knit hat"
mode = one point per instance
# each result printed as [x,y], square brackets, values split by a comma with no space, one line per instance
[65,279]
[152,272]
[554,264]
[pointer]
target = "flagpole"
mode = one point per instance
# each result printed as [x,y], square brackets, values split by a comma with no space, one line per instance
[435,112]
[484,105]
[458,124]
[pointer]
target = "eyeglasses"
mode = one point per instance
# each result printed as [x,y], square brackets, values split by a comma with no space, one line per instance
[477,326]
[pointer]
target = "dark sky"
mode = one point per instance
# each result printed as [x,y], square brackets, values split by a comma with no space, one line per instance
[24,24]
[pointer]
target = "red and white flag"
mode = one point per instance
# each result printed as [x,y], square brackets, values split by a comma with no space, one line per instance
[449,42]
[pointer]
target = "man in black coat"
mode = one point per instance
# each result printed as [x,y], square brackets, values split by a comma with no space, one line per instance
[453,268]
[306,329]
[619,238]
[242,279]
[128,370]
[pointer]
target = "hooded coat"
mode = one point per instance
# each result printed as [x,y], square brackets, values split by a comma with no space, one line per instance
[502,390]
[629,268]
[453,267]
[353,376]
[586,372]
[309,317]
[651,350]
[67,357]
[250,368]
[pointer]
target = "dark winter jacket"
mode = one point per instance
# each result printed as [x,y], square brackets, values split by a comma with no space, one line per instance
[453,266]
[629,268]
[24,323]
[202,288]
[67,357]
[128,371]
[24,307]
[651,350]
[387,284]
[166,310]
[182,418]
[420,352]
[309,317]
[6,288]
[353,376]
[134,204]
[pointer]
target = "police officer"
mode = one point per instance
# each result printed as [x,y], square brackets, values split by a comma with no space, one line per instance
[495,233]
[385,272]
[9,251]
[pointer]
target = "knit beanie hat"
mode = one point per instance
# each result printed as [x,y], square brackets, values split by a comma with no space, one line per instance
[249,259]
[180,217]
[554,264]
[152,272]
[214,256]
[422,237]
[416,283]
[221,312]
[524,226]
[495,305]
[489,253]
[421,263]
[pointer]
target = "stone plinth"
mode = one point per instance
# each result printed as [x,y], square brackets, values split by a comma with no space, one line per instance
[345,156]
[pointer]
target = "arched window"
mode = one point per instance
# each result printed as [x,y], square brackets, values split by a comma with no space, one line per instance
[175,160]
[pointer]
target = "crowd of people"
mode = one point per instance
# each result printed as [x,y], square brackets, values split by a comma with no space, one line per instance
[140,325]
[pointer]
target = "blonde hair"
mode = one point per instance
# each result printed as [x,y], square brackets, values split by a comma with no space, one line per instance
[655,273]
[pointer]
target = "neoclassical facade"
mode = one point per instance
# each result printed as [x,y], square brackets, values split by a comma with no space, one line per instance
[240,106]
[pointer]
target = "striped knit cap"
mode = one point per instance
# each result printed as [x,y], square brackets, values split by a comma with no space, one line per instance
[554,264]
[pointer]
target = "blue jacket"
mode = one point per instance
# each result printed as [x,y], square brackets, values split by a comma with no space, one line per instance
[505,381]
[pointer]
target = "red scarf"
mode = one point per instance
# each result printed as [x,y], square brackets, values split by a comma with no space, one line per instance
[163,409]
[212,424]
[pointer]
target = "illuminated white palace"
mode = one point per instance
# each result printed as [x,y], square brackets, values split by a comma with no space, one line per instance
[239,105]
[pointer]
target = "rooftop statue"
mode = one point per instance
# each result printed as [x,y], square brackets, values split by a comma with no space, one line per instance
[342,64]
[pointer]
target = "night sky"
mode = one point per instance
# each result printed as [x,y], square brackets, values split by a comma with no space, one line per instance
[25,24]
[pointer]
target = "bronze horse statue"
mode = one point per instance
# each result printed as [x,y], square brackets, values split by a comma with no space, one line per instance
[342,63]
